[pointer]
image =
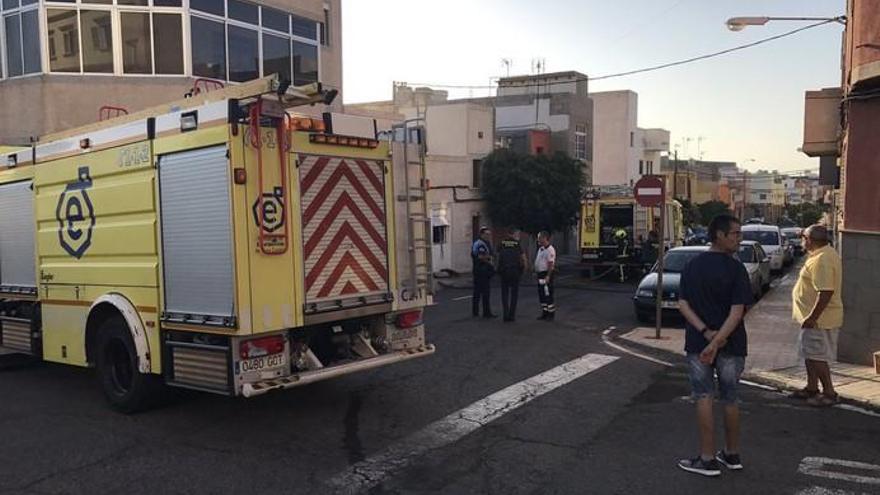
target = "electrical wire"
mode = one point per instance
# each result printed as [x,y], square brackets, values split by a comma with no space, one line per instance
[863,95]
[645,69]
[715,54]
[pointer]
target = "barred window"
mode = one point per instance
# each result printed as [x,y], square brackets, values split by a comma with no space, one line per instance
[580,142]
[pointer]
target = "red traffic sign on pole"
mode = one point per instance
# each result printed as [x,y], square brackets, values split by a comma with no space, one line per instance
[649,191]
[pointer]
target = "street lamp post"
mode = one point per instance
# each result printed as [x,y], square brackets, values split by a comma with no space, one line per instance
[740,23]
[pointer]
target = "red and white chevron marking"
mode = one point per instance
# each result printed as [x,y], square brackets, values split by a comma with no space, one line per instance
[344,228]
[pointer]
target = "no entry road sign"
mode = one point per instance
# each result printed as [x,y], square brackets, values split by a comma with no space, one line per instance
[649,191]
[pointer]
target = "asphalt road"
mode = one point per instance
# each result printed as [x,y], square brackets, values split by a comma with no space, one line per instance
[480,416]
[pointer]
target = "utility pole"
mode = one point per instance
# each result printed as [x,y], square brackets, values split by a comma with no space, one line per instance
[675,174]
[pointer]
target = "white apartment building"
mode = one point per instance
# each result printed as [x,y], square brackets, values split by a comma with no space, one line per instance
[803,189]
[623,152]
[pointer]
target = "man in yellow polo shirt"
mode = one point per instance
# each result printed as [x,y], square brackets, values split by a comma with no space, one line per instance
[817,306]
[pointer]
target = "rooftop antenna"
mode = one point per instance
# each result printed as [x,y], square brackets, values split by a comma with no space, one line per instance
[539,65]
[506,62]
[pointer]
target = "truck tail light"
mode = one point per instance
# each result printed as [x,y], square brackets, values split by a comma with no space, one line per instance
[262,346]
[409,319]
[305,124]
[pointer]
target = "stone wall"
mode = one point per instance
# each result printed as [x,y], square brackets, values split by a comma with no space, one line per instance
[860,337]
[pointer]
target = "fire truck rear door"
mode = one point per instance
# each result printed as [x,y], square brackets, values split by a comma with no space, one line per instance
[197,255]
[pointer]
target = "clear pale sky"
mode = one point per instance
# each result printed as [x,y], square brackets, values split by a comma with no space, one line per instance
[746,105]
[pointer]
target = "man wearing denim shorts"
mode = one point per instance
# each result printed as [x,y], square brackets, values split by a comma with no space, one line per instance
[715,291]
[817,307]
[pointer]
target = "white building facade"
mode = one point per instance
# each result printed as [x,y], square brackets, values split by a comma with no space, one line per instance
[623,152]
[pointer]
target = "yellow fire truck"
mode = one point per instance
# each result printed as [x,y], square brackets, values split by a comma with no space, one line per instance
[613,227]
[218,243]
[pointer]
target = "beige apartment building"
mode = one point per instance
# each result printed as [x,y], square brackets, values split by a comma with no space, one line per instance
[61,61]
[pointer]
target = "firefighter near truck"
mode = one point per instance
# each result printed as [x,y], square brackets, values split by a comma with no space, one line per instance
[617,234]
[220,243]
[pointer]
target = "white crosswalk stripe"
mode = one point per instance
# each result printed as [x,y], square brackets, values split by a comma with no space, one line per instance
[372,471]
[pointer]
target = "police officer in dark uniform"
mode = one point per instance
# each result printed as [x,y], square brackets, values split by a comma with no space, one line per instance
[511,264]
[482,256]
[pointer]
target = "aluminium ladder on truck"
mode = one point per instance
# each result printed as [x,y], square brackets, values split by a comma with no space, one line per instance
[408,146]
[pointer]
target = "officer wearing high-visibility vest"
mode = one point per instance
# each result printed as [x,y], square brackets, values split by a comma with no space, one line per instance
[511,264]
[545,266]
[484,268]
[621,237]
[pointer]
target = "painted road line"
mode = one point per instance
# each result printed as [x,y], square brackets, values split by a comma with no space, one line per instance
[607,341]
[462,298]
[370,472]
[857,409]
[634,353]
[819,490]
[868,474]
[758,385]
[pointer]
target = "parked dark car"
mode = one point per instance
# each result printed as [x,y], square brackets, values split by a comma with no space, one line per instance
[645,297]
[697,236]
[793,236]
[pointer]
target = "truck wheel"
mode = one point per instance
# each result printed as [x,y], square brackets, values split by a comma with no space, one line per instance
[126,389]
[643,317]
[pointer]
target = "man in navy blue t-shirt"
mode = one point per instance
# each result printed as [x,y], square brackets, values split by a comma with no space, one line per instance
[715,291]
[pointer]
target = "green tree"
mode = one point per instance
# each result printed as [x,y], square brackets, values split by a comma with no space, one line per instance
[711,209]
[690,213]
[806,214]
[532,193]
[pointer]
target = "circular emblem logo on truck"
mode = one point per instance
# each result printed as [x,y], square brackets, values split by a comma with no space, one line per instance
[272,211]
[76,215]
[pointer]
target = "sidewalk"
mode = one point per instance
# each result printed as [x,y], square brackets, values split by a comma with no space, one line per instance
[773,356]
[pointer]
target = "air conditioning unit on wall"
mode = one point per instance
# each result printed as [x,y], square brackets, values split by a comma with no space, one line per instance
[822,122]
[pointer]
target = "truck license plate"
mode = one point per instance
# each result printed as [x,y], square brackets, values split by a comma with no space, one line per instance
[404,334]
[669,304]
[264,362]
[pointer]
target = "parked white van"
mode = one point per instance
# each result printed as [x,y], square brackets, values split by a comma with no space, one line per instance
[771,240]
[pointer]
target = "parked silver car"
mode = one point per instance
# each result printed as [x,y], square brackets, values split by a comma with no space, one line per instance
[772,242]
[757,263]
